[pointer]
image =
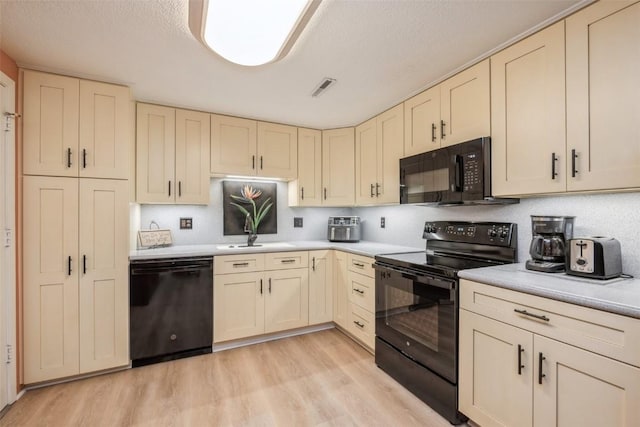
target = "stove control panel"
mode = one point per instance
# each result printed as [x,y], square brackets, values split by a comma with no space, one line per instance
[487,233]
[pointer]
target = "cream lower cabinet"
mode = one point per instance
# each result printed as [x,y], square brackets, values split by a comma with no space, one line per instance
[273,297]
[519,370]
[361,290]
[320,287]
[75,269]
[341,290]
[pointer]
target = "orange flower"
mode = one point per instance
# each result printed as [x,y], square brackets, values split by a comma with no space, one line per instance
[249,193]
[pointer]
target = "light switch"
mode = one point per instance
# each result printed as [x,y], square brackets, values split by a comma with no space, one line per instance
[186,223]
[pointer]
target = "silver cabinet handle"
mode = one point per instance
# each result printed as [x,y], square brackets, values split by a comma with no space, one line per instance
[535,316]
[357,264]
[358,324]
[360,291]
[287,261]
[240,264]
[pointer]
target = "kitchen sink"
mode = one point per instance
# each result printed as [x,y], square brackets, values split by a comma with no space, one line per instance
[266,245]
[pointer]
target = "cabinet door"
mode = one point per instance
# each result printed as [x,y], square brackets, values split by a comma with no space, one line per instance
[580,388]
[192,157]
[495,377]
[320,286]
[465,106]
[233,145]
[103,269]
[286,304]
[307,189]
[340,290]
[238,301]
[528,115]
[50,124]
[50,268]
[603,97]
[155,154]
[421,122]
[338,167]
[104,130]
[390,148]
[366,163]
[277,151]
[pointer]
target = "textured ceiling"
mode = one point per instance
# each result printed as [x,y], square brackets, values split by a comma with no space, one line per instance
[380,52]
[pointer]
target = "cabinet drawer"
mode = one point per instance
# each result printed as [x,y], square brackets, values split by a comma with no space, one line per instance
[286,260]
[604,333]
[362,325]
[241,263]
[362,291]
[362,265]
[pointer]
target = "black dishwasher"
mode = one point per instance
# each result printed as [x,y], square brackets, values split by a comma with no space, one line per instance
[170,308]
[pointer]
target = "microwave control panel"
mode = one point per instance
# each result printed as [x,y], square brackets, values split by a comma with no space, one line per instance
[472,172]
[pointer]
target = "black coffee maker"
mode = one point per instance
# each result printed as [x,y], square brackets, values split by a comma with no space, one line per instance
[548,243]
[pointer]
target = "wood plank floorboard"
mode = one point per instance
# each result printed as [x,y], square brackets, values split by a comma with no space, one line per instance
[318,379]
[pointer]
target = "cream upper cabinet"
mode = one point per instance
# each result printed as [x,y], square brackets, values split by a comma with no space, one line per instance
[238,305]
[320,286]
[172,147]
[192,157]
[528,115]
[366,162]
[464,105]
[307,189]
[421,122]
[50,286]
[233,145]
[155,154]
[338,160]
[75,127]
[454,111]
[341,290]
[277,152]
[603,97]
[103,267]
[104,130]
[389,148]
[50,124]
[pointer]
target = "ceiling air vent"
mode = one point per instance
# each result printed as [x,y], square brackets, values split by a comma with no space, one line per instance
[324,85]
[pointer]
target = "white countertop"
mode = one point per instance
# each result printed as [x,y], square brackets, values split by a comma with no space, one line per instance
[361,248]
[620,296]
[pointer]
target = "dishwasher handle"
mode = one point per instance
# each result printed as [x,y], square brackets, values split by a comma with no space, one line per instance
[170,265]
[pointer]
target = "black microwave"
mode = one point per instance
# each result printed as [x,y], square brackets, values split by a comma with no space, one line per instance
[454,175]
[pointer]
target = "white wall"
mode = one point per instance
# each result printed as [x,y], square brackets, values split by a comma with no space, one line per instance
[208,220]
[612,215]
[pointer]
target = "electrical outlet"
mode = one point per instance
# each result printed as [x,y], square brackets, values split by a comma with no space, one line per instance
[297,221]
[186,223]
[382,222]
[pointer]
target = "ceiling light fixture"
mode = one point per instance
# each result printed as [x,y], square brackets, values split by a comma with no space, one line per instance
[250,32]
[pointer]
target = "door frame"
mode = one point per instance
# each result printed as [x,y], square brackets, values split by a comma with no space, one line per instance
[8,243]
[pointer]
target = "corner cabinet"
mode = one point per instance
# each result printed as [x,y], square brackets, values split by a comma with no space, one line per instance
[454,111]
[528,115]
[307,189]
[250,148]
[603,97]
[378,149]
[74,127]
[320,286]
[260,293]
[533,359]
[76,235]
[338,160]
[172,155]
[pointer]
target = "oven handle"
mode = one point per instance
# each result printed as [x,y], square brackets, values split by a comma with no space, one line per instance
[426,279]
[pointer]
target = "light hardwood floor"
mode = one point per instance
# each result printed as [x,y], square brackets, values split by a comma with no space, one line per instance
[322,378]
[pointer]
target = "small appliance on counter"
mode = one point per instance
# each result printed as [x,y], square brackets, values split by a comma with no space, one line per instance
[594,257]
[547,248]
[344,229]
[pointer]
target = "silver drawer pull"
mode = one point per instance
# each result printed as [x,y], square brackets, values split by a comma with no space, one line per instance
[535,316]
[358,324]
[357,264]
[240,264]
[360,291]
[287,261]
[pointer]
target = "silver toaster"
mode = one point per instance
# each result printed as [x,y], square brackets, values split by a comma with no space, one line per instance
[595,257]
[344,229]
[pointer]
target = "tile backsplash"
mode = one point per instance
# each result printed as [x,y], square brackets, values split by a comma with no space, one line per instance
[612,215]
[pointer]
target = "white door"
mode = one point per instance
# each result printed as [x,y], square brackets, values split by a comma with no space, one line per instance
[7,247]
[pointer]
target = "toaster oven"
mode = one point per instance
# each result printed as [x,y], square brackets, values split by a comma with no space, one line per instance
[344,229]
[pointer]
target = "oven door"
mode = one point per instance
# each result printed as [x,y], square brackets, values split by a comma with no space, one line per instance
[417,314]
[425,178]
